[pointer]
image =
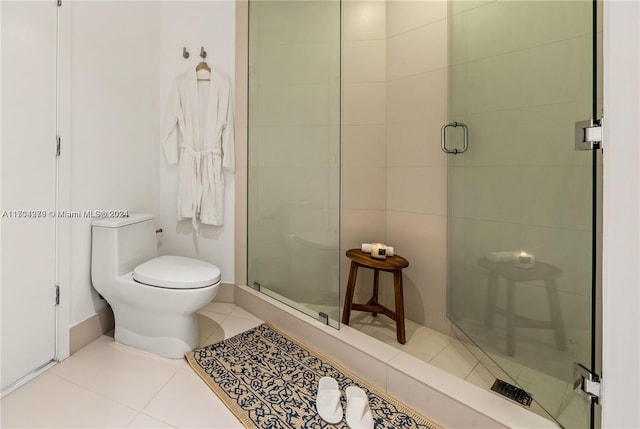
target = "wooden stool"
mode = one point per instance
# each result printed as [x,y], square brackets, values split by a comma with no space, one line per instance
[512,274]
[393,264]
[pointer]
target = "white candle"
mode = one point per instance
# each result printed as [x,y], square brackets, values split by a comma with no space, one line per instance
[378,251]
[524,260]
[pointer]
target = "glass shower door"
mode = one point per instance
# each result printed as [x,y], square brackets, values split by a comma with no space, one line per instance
[294,154]
[521,198]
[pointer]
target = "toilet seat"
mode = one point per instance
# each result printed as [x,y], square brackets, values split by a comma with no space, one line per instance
[176,272]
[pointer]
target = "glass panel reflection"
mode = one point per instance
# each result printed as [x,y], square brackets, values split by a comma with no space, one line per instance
[294,153]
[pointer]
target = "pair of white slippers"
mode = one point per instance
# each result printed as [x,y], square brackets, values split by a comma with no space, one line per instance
[358,414]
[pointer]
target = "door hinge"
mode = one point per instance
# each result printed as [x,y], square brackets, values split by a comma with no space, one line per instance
[59,3]
[586,384]
[57,145]
[589,134]
[57,295]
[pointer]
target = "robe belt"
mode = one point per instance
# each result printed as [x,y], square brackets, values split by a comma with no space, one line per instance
[197,156]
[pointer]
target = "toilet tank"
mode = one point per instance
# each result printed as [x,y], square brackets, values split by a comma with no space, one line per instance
[118,245]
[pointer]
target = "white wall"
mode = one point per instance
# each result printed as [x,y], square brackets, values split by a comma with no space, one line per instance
[208,24]
[416,108]
[621,271]
[363,179]
[123,57]
[113,138]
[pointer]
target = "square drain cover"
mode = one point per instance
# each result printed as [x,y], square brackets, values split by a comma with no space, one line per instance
[512,392]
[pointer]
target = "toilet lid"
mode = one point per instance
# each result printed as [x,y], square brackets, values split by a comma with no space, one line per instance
[176,272]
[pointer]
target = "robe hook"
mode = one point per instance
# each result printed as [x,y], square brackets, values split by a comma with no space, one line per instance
[203,53]
[185,53]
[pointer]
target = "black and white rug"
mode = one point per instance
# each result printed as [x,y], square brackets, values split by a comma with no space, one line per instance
[269,380]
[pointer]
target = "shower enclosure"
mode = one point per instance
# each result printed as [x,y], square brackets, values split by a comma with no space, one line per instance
[501,236]
[294,153]
[522,218]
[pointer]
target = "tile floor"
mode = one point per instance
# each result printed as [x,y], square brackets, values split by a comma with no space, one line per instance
[106,384]
[110,385]
[426,344]
[451,355]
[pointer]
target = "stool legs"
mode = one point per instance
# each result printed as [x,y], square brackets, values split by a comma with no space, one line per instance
[374,298]
[511,319]
[372,305]
[556,322]
[556,315]
[397,287]
[490,305]
[351,287]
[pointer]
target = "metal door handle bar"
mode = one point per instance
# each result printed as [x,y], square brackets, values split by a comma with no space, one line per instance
[443,138]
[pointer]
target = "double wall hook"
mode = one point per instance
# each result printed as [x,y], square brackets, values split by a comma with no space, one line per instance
[185,53]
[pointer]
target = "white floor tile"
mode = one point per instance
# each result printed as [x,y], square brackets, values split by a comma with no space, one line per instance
[481,377]
[126,376]
[53,402]
[548,391]
[451,361]
[144,354]
[464,352]
[216,336]
[107,384]
[574,411]
[208,322]
[426,344]
[144,421]
[234,325]
[187,402]
[244,314]
[219,307]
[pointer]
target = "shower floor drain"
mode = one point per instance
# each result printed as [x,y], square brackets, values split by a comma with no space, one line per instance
[512,392]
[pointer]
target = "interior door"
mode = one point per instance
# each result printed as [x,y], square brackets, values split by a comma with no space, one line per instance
[521,198]
[28,342]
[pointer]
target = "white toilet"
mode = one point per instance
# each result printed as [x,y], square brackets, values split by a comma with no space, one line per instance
[154,298]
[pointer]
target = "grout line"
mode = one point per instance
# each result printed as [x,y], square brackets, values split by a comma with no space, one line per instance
[160,390]
[418,27]
[103,396]
[129,352]
[155,418]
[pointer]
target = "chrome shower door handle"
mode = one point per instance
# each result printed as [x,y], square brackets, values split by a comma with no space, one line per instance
[443,138]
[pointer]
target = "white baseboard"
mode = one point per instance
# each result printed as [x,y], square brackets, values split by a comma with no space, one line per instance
[89,329]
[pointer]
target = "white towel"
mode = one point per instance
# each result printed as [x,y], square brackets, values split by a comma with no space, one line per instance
[504,256]
[366,248]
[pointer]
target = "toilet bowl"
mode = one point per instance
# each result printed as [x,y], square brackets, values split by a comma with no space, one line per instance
[154,298]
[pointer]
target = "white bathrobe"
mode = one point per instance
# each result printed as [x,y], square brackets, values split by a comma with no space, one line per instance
[199,134]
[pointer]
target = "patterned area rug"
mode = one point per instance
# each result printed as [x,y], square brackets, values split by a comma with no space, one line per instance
[269,380]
